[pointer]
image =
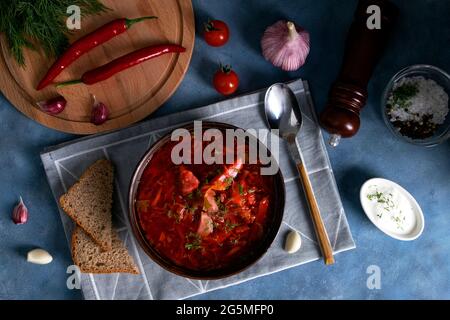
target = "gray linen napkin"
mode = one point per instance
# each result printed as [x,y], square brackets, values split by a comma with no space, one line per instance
[65,163]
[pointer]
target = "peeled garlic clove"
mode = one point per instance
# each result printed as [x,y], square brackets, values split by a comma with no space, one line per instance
[20,213]
[293,242]
[39,256]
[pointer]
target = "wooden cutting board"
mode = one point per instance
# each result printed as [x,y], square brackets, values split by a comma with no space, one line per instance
[131,95]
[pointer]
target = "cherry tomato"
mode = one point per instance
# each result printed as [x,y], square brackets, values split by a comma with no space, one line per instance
[226,81]
[216,33]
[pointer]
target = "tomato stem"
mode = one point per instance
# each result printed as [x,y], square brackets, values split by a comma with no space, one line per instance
[209,26]
[225,68]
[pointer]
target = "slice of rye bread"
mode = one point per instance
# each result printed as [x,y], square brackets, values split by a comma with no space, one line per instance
[89,201]
[90,258]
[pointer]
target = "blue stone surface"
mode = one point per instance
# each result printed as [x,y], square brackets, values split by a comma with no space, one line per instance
[409,270]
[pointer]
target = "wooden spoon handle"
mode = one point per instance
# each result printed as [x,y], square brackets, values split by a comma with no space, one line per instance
[321,232]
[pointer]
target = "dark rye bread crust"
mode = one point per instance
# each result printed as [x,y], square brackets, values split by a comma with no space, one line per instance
[89,201]
[89,257]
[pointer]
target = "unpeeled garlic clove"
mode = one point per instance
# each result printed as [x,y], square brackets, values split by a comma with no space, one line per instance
[53,106]
[100,113]
[293,242]
[39,256]
[20,213]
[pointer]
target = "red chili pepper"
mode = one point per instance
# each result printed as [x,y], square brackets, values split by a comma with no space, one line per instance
[127,61]
[87,43]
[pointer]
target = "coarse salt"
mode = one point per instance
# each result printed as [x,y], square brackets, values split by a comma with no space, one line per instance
[431,100]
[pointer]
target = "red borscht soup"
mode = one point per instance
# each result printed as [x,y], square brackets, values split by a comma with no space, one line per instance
[203,216]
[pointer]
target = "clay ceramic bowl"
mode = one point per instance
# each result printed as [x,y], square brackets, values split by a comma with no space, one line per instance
[273,225]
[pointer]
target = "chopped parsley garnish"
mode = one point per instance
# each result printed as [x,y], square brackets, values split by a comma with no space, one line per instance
[398,220]
[194,241]
[228,181]
[230,226]
[241,189]
[383,198]
[190,209]
[194,245]
[222,208]
[173,215]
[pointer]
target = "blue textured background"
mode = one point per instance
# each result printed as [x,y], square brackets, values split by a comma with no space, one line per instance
[410,270]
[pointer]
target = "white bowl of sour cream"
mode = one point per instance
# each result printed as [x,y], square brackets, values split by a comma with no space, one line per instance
[392,209]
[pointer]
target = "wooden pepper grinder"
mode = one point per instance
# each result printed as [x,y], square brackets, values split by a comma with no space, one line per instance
[366,41]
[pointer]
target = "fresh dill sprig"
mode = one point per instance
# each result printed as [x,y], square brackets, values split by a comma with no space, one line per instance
[40,24]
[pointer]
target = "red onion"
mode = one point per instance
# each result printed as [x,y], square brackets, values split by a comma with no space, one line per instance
[53,106]
[100,113]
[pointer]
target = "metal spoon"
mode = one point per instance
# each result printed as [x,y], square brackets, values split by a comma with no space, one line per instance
[283,113]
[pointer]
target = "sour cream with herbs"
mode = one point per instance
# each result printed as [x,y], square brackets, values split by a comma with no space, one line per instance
[392,209]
